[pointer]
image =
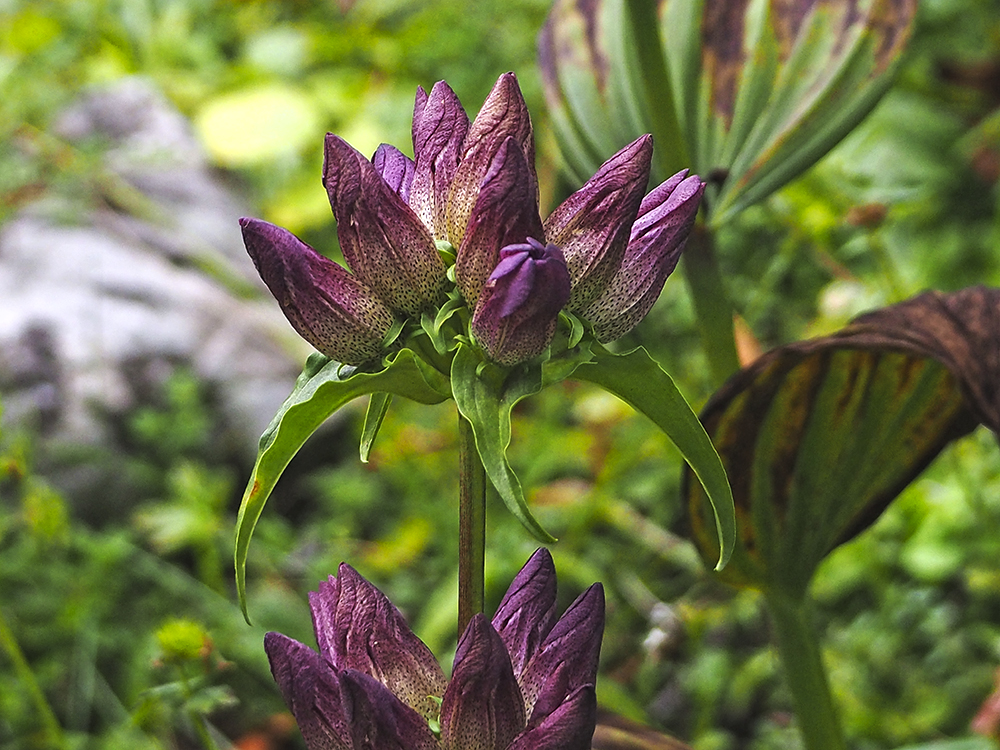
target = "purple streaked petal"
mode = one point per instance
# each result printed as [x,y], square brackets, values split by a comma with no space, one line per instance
[503,115]
[568,727]
[528,609]
[505,212]
[357,627]
[592,225]
[379,720]
[383,241]
[440,126]
[331,309]
[482,707]
[574,641]
[665,220]
[395,167]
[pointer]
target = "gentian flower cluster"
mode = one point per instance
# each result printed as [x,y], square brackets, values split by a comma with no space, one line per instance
[523,681]
[470,198]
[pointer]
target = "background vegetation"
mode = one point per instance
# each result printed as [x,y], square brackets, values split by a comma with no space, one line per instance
[122,630]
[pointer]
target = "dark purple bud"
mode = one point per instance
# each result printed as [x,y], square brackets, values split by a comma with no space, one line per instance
[396,168]
[331,309]
[357,627]
[503,115]
[482,707]
[312,691]
[383,241]
[574,641]
[505,214]
[528,609]
[569,727]
[592,225]
[440,126]
[516,315]
[379,720]
[665,219]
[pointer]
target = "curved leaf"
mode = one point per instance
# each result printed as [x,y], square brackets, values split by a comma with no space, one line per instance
[640,382]
[320,391]
[485,397]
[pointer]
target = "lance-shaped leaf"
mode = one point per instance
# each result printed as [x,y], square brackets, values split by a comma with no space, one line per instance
[640,382]
[818,437]
[761,89]
[322,388]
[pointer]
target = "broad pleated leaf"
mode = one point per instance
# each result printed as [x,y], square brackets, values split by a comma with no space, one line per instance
[818,437]
[761,89]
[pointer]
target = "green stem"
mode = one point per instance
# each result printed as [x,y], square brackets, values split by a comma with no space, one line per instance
[804,670]
[471,526]
[711,304]
[46,716]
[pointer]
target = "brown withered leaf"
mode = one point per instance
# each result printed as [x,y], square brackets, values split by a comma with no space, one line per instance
[615,732]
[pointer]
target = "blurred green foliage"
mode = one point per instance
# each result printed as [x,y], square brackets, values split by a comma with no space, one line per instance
[94,621]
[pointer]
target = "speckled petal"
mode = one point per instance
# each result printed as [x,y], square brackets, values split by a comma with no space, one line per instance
[528,609]
[383,241]
[379,720]
[312,691]
[331,309]
[440,126]
[505,213]
[396,168]
[665,220]
[592,225]
[503,115]
[357,627]
[569,727]
[574,641]
[482,707]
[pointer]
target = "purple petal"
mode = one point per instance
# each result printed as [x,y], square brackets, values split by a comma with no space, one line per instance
[357,627]
[505,213]
[331,309]
[439,129]
[569,727]
[379,720]
[516,315]
[395,167]
[383,241]
[665,220]
[528,609]
[482,707]
[574,641]
[312,691]
[592,225]
[503,115]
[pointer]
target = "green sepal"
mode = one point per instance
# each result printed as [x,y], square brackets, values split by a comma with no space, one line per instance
[639,381]
[378,405]
[485,395]
[433,323]
[323,387]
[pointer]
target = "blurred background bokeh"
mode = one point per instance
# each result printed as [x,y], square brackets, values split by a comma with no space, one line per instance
[140,358]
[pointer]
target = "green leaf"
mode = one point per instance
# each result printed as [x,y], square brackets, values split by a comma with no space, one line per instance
[640,382]
[319,391]
[378,405]
[485,396]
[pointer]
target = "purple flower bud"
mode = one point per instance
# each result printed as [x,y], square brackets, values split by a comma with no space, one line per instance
[505,214]
[331,309]
[528,609]
[665,219]
[383,241]
[379,720]
[592,225]
[396,168]
[515,317]
[357,627]
[569,727]
[482,707]
[503,115]
[439,129]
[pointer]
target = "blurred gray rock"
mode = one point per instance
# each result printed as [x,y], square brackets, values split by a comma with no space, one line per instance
[97,304]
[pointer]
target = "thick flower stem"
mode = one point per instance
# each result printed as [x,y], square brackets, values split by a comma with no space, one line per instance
[804,670]
[711,304]
[471,526]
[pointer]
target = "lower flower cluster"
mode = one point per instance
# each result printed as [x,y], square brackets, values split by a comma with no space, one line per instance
[523,681]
